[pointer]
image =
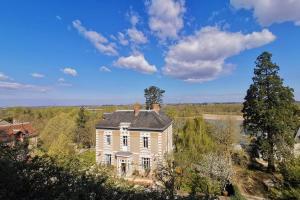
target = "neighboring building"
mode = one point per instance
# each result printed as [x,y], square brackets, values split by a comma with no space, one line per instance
[10,133]
[134,140]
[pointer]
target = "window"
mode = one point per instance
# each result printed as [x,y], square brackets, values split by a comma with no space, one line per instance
[108,159]
[146,142]
[146,163]
[108,139]
[125,140]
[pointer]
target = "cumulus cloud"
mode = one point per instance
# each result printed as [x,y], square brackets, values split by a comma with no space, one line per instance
[98,41]
[134,19]
[122,39]
[104,69]
[3,77]
[201,57]
[37,75]
[136,62]
[166,18]
[268,12]
[20,86]
[69,71]
[136,36]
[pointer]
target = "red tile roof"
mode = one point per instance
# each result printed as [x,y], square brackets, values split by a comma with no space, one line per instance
[8,132]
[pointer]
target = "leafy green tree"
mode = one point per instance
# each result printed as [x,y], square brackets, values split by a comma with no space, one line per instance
[153,95]
[58,130]
[269,110]
[193,140]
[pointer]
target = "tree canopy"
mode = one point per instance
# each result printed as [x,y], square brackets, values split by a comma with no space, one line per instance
[153,95]
[269,110]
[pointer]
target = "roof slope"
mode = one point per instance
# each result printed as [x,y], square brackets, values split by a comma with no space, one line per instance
[4,123]
[145,120]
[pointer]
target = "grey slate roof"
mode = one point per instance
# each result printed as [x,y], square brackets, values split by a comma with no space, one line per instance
[145,120]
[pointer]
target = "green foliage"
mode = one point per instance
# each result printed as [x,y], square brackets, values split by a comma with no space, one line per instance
[83,136]
[291,175]
[201,156]
[237,194]
[58,134]
[269,110]
[43,178]
[153,95]
[193,140]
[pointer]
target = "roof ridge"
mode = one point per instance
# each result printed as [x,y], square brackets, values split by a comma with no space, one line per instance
[158,117]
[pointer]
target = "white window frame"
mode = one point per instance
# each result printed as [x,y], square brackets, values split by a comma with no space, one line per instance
[107,159]
[125,141]
[106,144]
[108,139]
[145,142]
[146,163]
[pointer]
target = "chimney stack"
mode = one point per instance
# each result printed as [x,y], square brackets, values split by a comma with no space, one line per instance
[155,107]
[136,108]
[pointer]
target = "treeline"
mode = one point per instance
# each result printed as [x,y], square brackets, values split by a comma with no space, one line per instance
[191,110]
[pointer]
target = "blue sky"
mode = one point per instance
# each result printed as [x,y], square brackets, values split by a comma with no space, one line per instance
[107,52]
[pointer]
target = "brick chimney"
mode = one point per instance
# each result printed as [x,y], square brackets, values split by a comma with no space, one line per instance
[136,108]
[155,107]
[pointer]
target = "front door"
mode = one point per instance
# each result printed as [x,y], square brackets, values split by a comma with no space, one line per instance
[123,169]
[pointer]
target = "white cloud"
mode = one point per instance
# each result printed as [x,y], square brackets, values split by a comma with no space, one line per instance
[104,69]
[136,36]
[99,42]
[62,82]
[134,19]
[58,17]
[136,62]
[166,18]
[69,71]
[20,86]
[37,75]
[201,57]
[123,41]
[268,12]
[3,77]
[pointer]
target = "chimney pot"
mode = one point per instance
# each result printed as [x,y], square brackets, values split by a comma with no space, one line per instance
[155,107]
[136,108]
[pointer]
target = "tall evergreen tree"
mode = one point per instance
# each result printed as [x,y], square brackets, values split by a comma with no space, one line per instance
[269,111]
[153,95]
[83,136]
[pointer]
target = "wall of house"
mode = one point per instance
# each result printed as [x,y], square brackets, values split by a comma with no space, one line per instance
[159,144]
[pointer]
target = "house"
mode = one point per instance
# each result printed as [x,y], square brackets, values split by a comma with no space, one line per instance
[134,140]
[10,133]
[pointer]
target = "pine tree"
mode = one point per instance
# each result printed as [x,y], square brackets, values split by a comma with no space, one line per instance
[269,110]
[153,95]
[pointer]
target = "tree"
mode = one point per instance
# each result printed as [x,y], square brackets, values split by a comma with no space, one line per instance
[153,95]
[82,132]
[269,110]
[58,128]
[166,174]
